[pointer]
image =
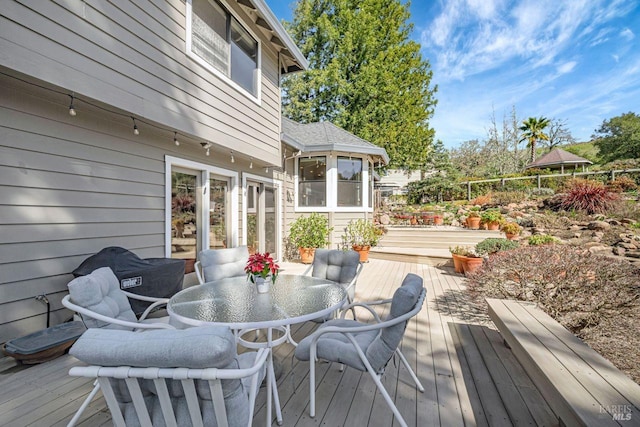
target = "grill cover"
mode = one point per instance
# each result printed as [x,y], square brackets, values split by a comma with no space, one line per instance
[153,277]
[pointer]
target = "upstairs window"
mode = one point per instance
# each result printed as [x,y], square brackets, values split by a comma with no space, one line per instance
[218,41]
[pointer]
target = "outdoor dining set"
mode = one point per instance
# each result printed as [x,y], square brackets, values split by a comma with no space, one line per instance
[199,357]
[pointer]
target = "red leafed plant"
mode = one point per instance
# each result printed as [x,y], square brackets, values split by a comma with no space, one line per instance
[589,196]
[261,265]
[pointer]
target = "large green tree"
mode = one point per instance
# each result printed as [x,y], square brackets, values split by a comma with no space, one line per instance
[532,132]
[619,137]
[365,75]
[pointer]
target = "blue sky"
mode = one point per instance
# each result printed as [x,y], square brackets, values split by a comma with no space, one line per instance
[573,60]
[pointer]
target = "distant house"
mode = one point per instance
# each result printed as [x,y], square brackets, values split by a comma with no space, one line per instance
[328,170]
[395,181]
[155,126]
[560,159]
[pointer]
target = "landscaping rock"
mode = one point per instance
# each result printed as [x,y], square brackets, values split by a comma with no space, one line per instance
[598,225]
[601,249]
[619,251]
[385,219]
[634,254]
[627,245]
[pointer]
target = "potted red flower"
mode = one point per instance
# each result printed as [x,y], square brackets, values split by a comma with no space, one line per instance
[261,269]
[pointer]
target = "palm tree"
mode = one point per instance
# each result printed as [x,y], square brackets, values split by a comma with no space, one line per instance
[533,131]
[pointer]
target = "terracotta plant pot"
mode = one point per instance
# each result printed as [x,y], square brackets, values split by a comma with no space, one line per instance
[458,262]
[510,236]
[414,220]
[473,223]
[493,226]
[306,255]
[438,220]
[363,251]
[471,264]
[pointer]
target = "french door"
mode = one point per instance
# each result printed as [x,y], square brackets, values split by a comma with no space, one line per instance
[262,217]
[202,208]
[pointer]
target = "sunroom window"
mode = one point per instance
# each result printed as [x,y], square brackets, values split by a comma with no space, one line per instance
[219,41]
[312,181]
[349,181]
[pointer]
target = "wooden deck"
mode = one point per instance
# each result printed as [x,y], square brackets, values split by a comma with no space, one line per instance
[470,377]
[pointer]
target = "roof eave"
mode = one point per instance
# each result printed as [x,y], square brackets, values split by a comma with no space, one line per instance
[343,148]
[282,34]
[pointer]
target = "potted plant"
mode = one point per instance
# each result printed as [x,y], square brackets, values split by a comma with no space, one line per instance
[309,233]
[261,269]
[473,219]
[471,262]
[493,218]
[362,234]
[510,229]
[458,253]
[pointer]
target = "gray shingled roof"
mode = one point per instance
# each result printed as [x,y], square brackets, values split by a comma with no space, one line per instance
[325,136]
[558,157]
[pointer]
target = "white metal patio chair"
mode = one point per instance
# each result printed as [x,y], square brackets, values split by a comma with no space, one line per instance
[100,303]
[191,377]
[217,264]
[366,347]
[342,267]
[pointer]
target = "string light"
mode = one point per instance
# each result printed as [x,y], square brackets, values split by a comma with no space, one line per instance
[250,163]
[233,160]
[72,111]
[135,127]
[175,139]
[266,170]
[206,146]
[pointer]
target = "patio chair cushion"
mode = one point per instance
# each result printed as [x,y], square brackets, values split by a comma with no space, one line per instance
[223,263]
[335,265]
[202,347]
[336,346]
[100,292]
[403,301]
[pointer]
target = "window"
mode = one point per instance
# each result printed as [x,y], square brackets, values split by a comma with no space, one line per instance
[349,181]
[218,41]
[312,181]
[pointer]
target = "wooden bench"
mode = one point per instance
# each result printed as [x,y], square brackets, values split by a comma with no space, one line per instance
[581,386]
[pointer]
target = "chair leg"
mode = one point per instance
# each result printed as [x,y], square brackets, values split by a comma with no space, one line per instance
[387,398]
[84,405]
[413,374]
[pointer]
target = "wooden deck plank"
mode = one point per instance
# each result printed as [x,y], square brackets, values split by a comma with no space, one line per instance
[539,408]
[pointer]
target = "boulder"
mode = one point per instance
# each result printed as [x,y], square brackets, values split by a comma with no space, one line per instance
[598,225]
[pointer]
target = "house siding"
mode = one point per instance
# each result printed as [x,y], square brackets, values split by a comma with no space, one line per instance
[131,55]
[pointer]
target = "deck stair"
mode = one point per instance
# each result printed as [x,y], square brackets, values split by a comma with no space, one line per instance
[426,245]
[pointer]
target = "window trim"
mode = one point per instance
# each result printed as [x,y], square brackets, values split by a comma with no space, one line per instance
[257,98]
[205,171]
[332,184]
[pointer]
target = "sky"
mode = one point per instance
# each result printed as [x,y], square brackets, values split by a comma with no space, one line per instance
[577,61]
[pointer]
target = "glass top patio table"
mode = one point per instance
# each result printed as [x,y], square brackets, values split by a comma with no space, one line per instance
[236,303]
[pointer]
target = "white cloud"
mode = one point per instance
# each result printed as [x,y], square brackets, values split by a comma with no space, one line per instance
[627,34]
[567,67]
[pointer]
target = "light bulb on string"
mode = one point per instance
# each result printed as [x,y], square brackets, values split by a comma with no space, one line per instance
[175,139]
[233,159]
[251,164]
[135,127]
[72,111]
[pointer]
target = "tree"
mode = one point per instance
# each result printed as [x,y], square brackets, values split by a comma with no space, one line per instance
[619,137]
[533,131]
[558,134]
[441,182]
[365,75]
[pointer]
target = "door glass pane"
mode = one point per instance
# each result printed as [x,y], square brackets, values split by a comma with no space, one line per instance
[252,219]
[218,213]
[270,221]
[184,218]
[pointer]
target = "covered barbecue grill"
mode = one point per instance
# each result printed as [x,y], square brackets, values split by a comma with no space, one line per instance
[154,277]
